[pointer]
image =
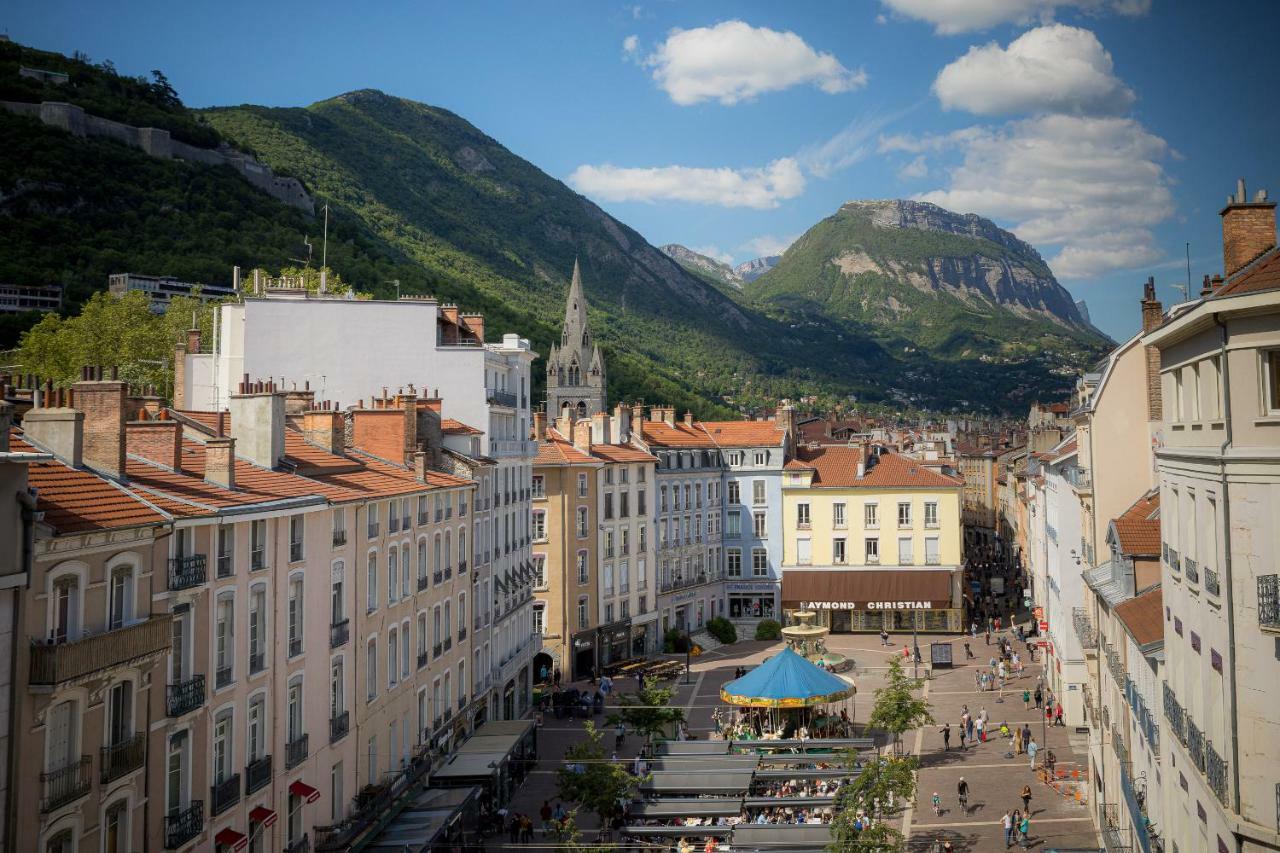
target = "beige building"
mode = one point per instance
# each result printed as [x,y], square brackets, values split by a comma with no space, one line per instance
[980,502]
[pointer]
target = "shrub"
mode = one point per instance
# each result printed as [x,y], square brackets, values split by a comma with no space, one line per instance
[722,629]
[768,629]
[674,641]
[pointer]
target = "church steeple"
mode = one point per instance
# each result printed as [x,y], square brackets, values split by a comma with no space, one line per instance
[575,368]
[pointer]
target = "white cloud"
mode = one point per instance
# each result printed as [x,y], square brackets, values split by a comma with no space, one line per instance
[733,61]
[957,16]
[917,168]
[1054,68]
[1094,187]
[847,147]
[759,188]
[768,244]
[714,252]
[631,47]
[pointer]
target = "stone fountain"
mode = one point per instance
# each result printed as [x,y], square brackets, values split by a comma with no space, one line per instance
[809,641]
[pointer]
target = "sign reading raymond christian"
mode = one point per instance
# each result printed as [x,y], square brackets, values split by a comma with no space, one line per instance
[869,605]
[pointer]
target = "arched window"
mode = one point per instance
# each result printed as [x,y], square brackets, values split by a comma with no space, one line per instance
[120,598]
[404,571]
[436,561]
[66,609]
[582,409]
[393,574]
[435,627]
[448,549]
[422,561]
[462,546]
[116,828]
[61,843]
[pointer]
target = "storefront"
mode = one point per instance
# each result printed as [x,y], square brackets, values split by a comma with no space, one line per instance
[584,655]
[614,642]
[752,601]
[851,601]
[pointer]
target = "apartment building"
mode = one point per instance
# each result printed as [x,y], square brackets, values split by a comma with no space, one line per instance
[1219,483]
[871,539]
[977,465]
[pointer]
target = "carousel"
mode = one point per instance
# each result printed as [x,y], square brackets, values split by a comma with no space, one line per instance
[787,697]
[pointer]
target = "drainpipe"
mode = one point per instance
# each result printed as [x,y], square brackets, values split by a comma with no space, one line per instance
[1228,440]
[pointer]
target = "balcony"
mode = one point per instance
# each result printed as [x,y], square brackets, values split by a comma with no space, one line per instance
[296,752]
[1191,570]
[182,825]
[339,538]
[67,784]
[339,633]
[1175,715]
[295,646]
[423,659]
[339,726]
[437,577]
[423,583]
[462,567]
[1268,601]
[1215,770]
[448,643]
[186,572]
[1084,629]
[500,398]
[257,663]
[224,795]
[62,662]
[371,532]
[299,845]
[1195,744]
[462,635]
[257,774]
[221,678]
[1122,752]
[185,696]
[122,758]
[1211,582]
[448,572]
[435,650]
[1081,479]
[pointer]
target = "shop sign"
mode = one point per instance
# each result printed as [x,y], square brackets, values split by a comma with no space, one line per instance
[685,596]
[867,605]
[751,587]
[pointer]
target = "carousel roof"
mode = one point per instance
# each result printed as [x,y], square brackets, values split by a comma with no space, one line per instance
[785,680]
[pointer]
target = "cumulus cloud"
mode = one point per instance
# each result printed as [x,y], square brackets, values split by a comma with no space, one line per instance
[733,61]
[957,16]
[631,48]
[1094,186]
[714,252]
[759,188]
[917,168]
[768,244]
[1054,68]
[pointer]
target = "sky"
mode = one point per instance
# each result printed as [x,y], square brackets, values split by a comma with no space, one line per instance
[1106,133]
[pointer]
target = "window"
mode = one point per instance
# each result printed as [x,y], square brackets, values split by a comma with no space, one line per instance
[371,670]
[608,580]
[802,516]
[405,591]
[422,563]
[539,486]
[904,551]
[226,550]
[759,527]
[372,759]
[424,513]
[295,616]
[371,581]
[872,551]
[257,740]
[116,838]
[642,507]
[759,562]
[838,550]
[372,526]
[904,514]
[757,492]
[762,457]
[335,788]
[608,612]
[296,532]
[224,639]
[1178,402]
[539,525]
[393,657]
[931,554]
[257,545]
[222,747]
[121,597]
[120,713]
[931,514]
[177,790]
[838,518]
[871,516]
[66,609]
[582,612]
[393,575]
[624,504]
[293,828]
[608,543]
[733,524]
[582,522]
[608,506]
[1272,379]
[582,567]
[404,514]
[804,551]
[582,485]
[1195,391]
[733,562]
[540,570]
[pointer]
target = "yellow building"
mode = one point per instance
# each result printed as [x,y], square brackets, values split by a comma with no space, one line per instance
[871,540]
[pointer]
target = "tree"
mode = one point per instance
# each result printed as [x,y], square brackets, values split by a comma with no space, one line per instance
[589,779]
[648,711]
[873,792]
[567,835]
[897,709]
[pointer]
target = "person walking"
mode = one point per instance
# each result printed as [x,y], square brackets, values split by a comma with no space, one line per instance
[1017,740]
[946,736]
[1032,748]
[1039,698]
[1026,799]
[1026,700]
[982,730]
[1057,715]
[884,637]
[619,735]
[545,814]
[1024,829]
[962,794]
[937,804]
[988,636]
[968,652]
[963,748]
[1007,823]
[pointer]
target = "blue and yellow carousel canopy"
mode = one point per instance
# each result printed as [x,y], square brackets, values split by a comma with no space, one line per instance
[785,680]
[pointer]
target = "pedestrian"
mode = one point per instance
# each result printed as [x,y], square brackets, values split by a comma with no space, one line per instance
[970,726]
[1026,700]
[606,685]
[1024,829]
[988,636]
[1026,733]
[973,630]
[526,829]
[513,829]
[545,814]
[1026,799]
[982,730]
[997,624]
[1031,751]
[962,734]
[968,652]
[556,677]
[946,736]
[1007,823]
[962,793]
[1057,716]
[937,803]
[1017,740]
[1049,761]
[1039,699]
[619,735]
[884,637]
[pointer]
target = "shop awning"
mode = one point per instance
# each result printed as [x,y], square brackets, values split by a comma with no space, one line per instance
[781,836]
[724,782]
[699,763]
[789,802]
[263,815]
[688,807]
[867,589]
[692,747]
[806,773]
[678,831]
[305,791]
[231,838]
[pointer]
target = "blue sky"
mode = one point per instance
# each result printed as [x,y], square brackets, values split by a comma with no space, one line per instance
[1105,132]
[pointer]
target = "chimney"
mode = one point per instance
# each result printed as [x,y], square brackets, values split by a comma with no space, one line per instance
[297,402]
[621,423]
[180,377]
[474,322]
[103,404]
[157,440]
[193,340]
[1248,229]
[669,415]
[1206,289]
[787,420]
[220,461]
[257,424]
[420,466]
[1216,282]
[600,428]
[325,428]
[60,430]
[637,414]
[539,426]
[582,436]
[1152,316]
[408,404]
[1152,310]
[688,418]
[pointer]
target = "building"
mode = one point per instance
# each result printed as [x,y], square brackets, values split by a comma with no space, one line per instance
[1219,482]
[17,298]
[871,540]
[576,375]
[160,290]
[977,465]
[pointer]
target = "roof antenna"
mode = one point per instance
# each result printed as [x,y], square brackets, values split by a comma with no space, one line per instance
[1188,288]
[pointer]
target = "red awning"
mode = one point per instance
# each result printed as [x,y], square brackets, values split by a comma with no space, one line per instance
[305,791]
[231,838]
[263,815]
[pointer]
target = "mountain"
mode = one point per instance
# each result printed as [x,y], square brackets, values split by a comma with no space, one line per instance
[916,277]
[753,269]
[701,264]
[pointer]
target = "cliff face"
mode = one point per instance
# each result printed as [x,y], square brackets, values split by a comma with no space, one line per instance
[698,262]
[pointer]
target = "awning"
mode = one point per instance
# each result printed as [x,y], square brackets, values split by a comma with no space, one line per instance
[806,773]
[689,807]
[263,815]
[858,589]
[231,838]
[692,747]
[701,764]
[678,831]
[724,782]
[781,836]
[305,791]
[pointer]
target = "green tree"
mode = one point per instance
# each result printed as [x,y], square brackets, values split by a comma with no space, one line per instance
[567,836]
[589,779]
[874,792]
[897,709]
[648,711]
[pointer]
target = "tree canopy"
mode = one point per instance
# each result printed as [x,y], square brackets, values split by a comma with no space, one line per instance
[648,711]
[897,708]
[592,781]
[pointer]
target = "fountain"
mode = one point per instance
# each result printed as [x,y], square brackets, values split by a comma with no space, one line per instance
[809,641]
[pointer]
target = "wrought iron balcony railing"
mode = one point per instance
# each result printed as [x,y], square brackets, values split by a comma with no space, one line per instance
[224,795]
[339,633]
[186,572]
[66,784]
[1211,585]
[182,825]
[257,774]
[296,752]
[1176,716]
[1215,771]
[339,726]
[124,757]
[184,696]
[1195,744]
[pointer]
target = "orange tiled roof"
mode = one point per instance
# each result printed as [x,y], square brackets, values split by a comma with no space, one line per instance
[744,433]
[837,467]
[1263,273]
[662,434]
[1138,528]
[298,452]
[556,451]
[621,453]
[451,427]
[1143,616]
[75,501]
[377,478]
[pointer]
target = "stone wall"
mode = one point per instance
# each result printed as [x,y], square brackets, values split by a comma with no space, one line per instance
[158,143]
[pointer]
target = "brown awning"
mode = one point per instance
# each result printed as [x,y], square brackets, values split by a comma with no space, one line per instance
[873,589]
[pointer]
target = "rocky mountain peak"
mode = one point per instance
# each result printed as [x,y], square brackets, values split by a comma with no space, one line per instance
[925,216]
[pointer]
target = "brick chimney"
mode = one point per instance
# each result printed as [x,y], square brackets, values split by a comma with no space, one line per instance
[219,461]
[325,428]
[1248,228]
[157,440]
[669,415]
[539,426]
[193,341]
[637,415]
[103,403]
[787,419]
[582,435]
[1152,317]
[420,466]
[688,418]
[180,377]
[257,423]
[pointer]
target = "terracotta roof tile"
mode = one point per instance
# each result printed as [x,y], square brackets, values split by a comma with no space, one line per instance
[451,427]
[1263,273]
[744,433]
[1143,616]
[556,451]
[837,467]
[621,453]
[662,434]
[1138,528]
[298,452]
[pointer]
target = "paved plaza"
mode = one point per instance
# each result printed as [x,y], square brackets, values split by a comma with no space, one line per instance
[1057,820]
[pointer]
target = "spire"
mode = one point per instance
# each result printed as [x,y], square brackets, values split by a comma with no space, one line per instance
[575,310]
